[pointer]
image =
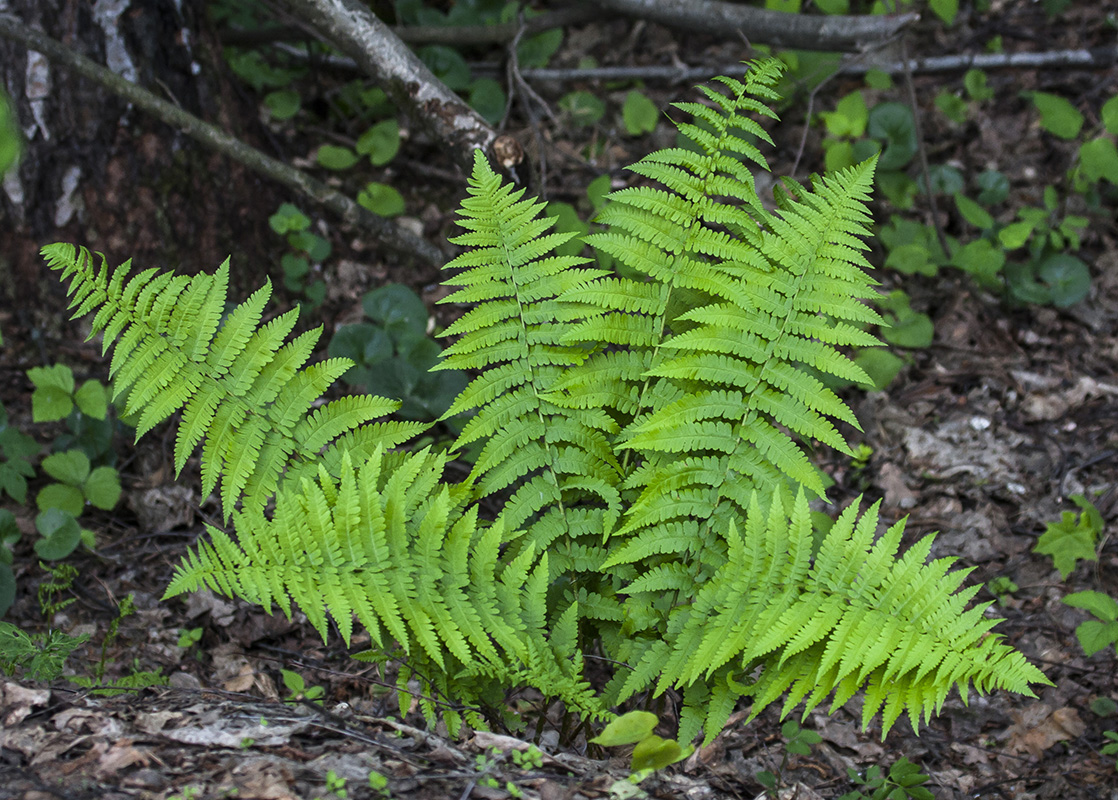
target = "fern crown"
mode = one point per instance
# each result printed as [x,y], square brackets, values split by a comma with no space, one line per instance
[643,426]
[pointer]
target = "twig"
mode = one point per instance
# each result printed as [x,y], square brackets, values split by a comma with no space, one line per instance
[762,26]
[455,35]
[390,234]
[356,31]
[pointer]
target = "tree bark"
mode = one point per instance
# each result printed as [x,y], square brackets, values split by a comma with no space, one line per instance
[97,171]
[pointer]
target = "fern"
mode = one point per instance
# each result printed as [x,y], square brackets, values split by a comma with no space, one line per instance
[644,432]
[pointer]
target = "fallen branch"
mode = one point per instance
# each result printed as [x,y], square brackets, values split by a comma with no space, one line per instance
[391,235]
[356,31]
[762,26]
[453,35]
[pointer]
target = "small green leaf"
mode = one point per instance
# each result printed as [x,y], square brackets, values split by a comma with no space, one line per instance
[61,534]
[92,399]
[952,106]
[894,124]
[1070,539]
[11,141]
[536,51]
[945,179]
[1109,114]
[1067,278]
[982,261]
[639,114]
[382,199]
[102,488]
[946,10]
[1058,116]
[381,142]
[993,187]
[288,218]
[975,84]
[488,98]
[53,396]
[448,65]
[629,728]
[400,312]
[973,213]
[584,108]
[880,365]
[282,104]
[70,467]
[7,588]
[335,157]
[597,190]
[849,118]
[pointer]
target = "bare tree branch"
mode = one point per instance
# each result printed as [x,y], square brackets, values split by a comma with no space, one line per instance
[355,30]
[454,35]
[388,233]
[759,25]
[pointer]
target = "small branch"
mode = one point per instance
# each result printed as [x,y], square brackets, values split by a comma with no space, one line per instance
[762,26]
[454,35]
[356,31]
[390,234]
[1096,58]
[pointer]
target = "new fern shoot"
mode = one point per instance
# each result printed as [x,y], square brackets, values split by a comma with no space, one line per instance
[645,429]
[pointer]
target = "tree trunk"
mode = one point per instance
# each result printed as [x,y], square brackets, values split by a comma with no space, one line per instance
[97,172]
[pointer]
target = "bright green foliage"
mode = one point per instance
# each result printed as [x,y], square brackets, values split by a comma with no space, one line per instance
[651,752]
[1073,537]
[643,433]
[1099,633]
[38,658]
[904,780]
[241,391]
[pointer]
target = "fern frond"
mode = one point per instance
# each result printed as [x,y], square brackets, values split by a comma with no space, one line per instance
[856,618]
[244,394]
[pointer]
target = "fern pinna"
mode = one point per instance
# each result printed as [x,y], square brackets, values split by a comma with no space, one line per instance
[644,428]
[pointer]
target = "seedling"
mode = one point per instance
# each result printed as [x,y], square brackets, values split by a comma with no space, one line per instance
[1073,537]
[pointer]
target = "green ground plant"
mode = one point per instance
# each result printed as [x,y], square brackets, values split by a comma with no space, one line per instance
[393,356]
[642,438]
[903,781]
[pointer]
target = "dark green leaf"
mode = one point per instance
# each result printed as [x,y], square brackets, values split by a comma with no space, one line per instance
[894,124]
[488,98]
[639,114]
[993,187]
[61,534]
[282,104]
[381,199]
[381,142]
[1067,277]
[102,488]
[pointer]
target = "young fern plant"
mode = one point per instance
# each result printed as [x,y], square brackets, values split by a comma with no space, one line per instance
[644,431]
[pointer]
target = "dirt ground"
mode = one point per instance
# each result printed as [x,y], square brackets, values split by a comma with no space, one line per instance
[983,438]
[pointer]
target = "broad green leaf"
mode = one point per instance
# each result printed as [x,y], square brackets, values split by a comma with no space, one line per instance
[952,106]
[1098,159]
[655,753]
[1101,605]
[1094,636]
[70,467]
[382,199]
[1068,541]
[982,261]
[488,98]
[381,142]
[838,154]
[849,118]
[881,365]
[61,534]
[53,396]
[61,496]
[92,399]
[536,51]
[567,220]
[448,65]
[102,488]
[597,190]
[639,114]
[911,259]
[945,179]
[1058,116]
[1016,234]
[629,728]
[334,157]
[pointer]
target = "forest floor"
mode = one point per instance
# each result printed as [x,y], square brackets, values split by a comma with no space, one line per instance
[984,437]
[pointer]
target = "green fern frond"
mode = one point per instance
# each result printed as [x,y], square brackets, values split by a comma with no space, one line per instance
[245,395]
[854,618]
[514,339]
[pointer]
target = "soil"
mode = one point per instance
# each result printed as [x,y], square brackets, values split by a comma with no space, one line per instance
[984,437]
